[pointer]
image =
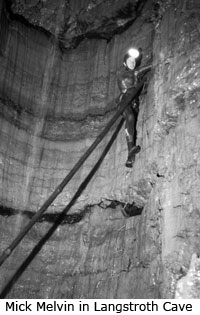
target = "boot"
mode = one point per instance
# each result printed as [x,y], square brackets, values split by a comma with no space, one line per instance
[132,150]
[130,160]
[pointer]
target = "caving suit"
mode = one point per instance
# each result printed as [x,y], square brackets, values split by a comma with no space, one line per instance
[128,79]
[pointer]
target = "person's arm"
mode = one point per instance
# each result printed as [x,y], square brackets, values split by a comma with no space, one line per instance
[122,83]
[143,70]
[123,86]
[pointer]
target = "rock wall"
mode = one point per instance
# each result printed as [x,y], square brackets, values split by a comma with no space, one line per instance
[176,132]
[53,105]
[70,22]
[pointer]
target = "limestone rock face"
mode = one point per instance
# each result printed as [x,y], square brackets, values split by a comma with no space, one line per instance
[72,21]
[53,104]
[188,286]
[177,128]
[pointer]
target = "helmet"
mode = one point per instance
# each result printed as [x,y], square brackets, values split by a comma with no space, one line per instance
[132,58]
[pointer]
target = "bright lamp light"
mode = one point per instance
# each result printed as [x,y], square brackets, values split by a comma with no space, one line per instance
[133,52]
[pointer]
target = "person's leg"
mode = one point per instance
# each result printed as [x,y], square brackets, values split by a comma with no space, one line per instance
[130,124]
[130,129]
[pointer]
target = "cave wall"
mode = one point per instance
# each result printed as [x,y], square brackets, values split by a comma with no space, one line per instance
[177,128]
[49,101]
[53,105]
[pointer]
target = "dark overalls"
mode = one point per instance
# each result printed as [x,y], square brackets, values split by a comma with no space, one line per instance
[128,79]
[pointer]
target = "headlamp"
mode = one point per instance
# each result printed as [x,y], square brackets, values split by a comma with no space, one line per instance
[133,52]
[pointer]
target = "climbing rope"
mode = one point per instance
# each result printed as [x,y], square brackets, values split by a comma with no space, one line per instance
[124,103]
